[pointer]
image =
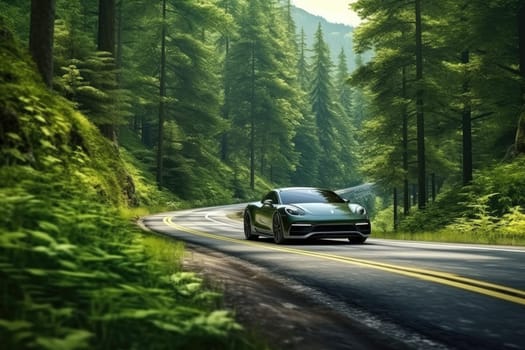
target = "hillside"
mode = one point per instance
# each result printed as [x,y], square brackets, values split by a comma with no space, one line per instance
[337,35]
[76,273]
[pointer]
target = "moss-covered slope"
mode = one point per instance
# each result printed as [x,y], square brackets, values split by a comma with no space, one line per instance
[73,273]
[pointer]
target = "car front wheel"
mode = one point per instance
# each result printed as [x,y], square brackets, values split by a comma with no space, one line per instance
[248,233]
[278,229]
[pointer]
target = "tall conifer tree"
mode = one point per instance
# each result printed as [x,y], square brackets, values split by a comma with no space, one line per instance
[306,139]
[266,109]
[328,121]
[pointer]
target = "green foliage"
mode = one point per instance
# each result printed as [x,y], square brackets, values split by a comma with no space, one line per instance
[490,210]
[333,126]
[42,130]
[68,145]
[262,99]
[76,276]
[482,221]
[191,167]
[92,85]
[15,17]
[513,223]
[209,88]
[85,76]
[382,219]
[470,82]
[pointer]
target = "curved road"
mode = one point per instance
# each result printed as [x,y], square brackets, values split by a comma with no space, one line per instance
[427,295]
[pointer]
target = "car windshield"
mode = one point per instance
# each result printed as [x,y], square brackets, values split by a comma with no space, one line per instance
[310,196]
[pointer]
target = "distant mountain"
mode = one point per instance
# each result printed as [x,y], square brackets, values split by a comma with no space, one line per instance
[336,35]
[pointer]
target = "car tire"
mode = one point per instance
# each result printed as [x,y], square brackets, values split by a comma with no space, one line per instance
[278,229]
[248,232]
[357,240]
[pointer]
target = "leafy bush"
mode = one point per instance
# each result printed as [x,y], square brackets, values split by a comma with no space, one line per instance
[75,275]
[383,218]
[449,205]
[490,210]
[41,130]
[488,228]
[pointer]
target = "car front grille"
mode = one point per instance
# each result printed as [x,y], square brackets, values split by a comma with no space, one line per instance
[335,229]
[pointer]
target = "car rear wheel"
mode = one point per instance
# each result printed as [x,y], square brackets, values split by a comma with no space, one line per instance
[357,240]
[278,229]
[248,233]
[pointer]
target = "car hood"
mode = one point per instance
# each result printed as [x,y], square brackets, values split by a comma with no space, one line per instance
[325,209]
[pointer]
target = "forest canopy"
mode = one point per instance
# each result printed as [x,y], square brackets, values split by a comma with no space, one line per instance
[226,98]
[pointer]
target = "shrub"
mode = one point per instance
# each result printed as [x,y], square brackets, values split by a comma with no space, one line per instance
[75,275]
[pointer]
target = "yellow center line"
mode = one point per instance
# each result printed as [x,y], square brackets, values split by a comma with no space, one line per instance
[490,289]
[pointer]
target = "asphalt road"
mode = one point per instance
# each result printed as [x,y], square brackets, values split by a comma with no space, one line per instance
[427,295]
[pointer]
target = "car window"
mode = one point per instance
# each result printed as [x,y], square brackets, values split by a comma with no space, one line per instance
[271,195]
[310,196]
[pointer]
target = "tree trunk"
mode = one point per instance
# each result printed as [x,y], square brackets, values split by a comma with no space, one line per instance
[520,133]
[252,123]
[466,125]
[433,186]
[226,107]
[41,37]
[119,35]
[162,96]
[395,218]
[106,26]
[406,195]
[421,160]
[106,42]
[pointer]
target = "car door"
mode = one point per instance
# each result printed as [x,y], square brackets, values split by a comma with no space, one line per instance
[264,214]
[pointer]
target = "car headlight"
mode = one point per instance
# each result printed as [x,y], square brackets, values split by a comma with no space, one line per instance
[357,209]
[294,211]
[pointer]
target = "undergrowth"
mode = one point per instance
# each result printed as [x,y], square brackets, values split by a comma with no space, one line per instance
[491,210]
[75,275]
[75,272]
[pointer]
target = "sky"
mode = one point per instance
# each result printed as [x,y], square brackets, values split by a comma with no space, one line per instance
[336,11]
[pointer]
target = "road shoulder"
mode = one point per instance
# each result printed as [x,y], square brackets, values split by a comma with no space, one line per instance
[283,316]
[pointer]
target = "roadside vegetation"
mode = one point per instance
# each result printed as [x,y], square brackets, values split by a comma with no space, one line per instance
[488,211]
[75,271]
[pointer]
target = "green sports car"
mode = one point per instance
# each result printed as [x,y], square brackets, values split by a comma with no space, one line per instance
[305,212]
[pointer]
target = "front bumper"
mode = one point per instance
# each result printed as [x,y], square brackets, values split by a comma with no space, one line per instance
[305,230]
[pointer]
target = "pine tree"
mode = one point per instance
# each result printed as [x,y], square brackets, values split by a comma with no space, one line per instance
[347,130]
[342,86]
[306,140]
[520,132]
[193,100]
[231,8]
[328,122]
[266,111]
[141,32]
[162,100]
[385,77]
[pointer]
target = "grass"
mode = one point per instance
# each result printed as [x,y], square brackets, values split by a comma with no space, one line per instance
[489,211]
[445,236]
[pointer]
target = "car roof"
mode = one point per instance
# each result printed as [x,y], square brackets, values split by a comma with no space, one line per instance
[282,189]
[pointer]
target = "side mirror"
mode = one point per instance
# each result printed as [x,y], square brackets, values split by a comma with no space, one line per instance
[268,202]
